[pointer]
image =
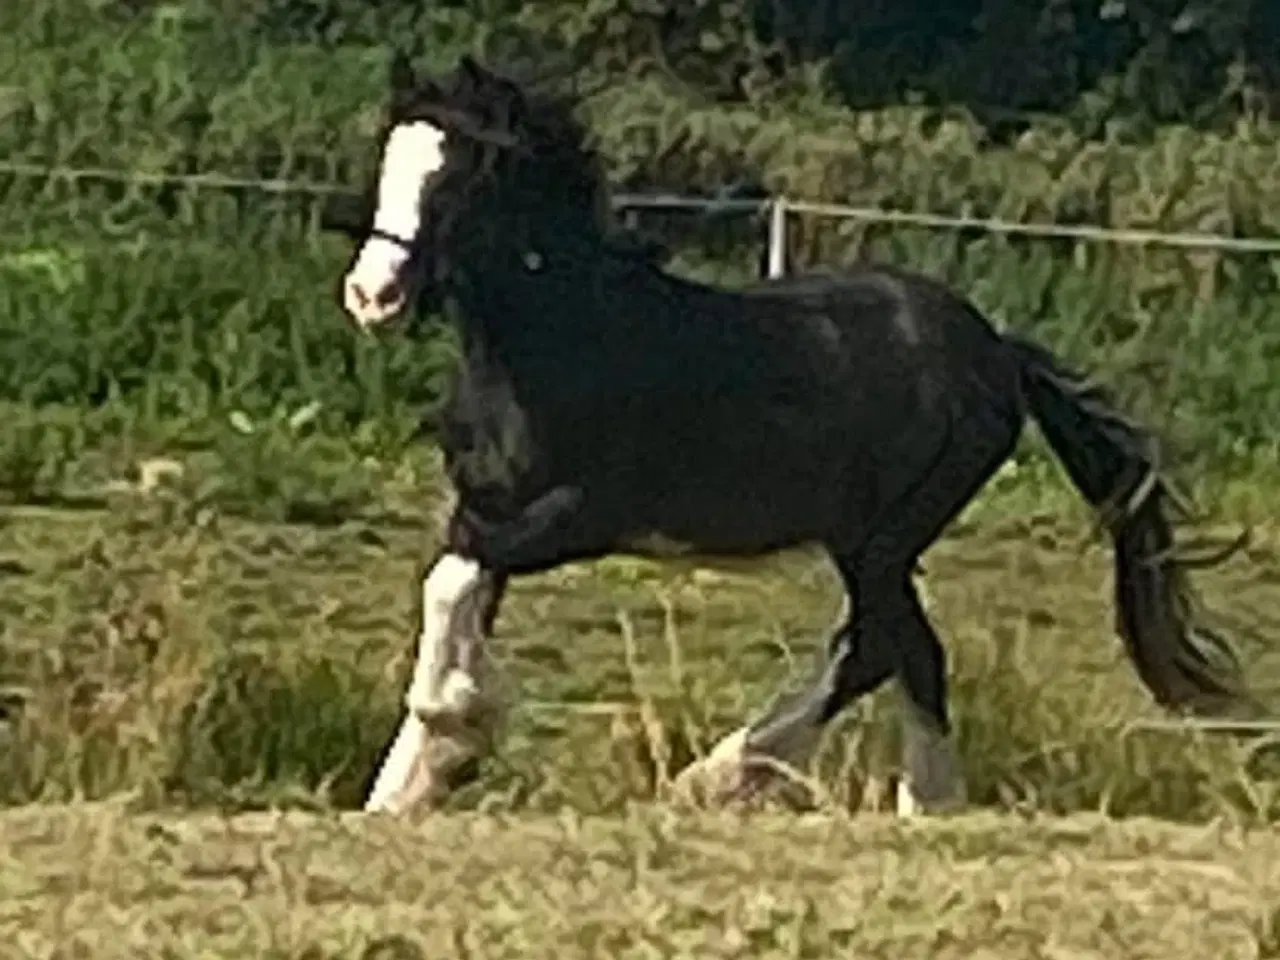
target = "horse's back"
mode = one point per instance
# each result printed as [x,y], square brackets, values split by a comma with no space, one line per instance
[894,326]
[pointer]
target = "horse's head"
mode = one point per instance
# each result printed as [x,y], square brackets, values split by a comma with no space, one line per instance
[468,163]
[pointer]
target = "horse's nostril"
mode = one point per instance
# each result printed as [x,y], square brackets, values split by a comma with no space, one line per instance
[388,295]
[358,295]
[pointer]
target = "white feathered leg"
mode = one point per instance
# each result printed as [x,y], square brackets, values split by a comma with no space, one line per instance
[448,720]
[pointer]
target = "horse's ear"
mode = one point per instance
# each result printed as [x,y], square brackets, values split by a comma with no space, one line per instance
[470,126]
[400,73]
[475,74]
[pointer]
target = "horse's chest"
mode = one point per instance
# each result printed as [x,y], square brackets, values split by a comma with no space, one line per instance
[487,443]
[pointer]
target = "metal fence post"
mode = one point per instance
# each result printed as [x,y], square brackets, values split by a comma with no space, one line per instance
[778,238]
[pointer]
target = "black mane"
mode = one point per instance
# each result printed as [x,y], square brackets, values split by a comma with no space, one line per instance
[520,172]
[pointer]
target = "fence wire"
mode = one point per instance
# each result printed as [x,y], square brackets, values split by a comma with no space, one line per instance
[634,201]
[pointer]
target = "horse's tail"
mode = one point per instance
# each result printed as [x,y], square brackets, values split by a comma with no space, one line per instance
[1112,462]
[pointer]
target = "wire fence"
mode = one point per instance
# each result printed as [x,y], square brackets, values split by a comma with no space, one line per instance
[148,178]
[780,209]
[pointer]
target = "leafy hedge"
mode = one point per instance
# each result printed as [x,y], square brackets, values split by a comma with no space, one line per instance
[198,301]
[183,91]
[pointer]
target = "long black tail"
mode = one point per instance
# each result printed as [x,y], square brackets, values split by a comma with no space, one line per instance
[1112,462]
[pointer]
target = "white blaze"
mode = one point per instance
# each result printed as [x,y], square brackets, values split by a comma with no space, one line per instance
[374,289]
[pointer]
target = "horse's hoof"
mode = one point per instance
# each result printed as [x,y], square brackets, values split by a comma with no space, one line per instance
[911,803]
[442,765]
[720,777]
[436,752]
[736,775]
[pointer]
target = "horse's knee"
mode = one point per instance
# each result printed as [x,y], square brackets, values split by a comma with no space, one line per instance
[448,583]
[444,681]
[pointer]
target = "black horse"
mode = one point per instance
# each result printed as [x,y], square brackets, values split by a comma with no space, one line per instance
[603,405]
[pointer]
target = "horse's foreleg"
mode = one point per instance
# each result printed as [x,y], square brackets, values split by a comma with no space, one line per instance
[452,712]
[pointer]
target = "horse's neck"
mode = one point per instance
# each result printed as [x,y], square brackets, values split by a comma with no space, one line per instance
[519,305]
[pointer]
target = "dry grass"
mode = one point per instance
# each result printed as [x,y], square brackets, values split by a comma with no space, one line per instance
[90,881]
[159,649]
[167,656]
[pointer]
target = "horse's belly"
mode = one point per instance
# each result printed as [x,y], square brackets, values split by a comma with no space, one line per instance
[714,519]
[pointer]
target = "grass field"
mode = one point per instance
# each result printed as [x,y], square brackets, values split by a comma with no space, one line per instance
[179,660]
[197,680]
[161,647]
[92,882]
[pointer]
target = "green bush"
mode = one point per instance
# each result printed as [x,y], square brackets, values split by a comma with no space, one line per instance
[187,304]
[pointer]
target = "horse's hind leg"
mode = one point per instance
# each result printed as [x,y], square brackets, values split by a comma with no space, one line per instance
[931,780]
[883,573]
[856,663]
[888,634]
